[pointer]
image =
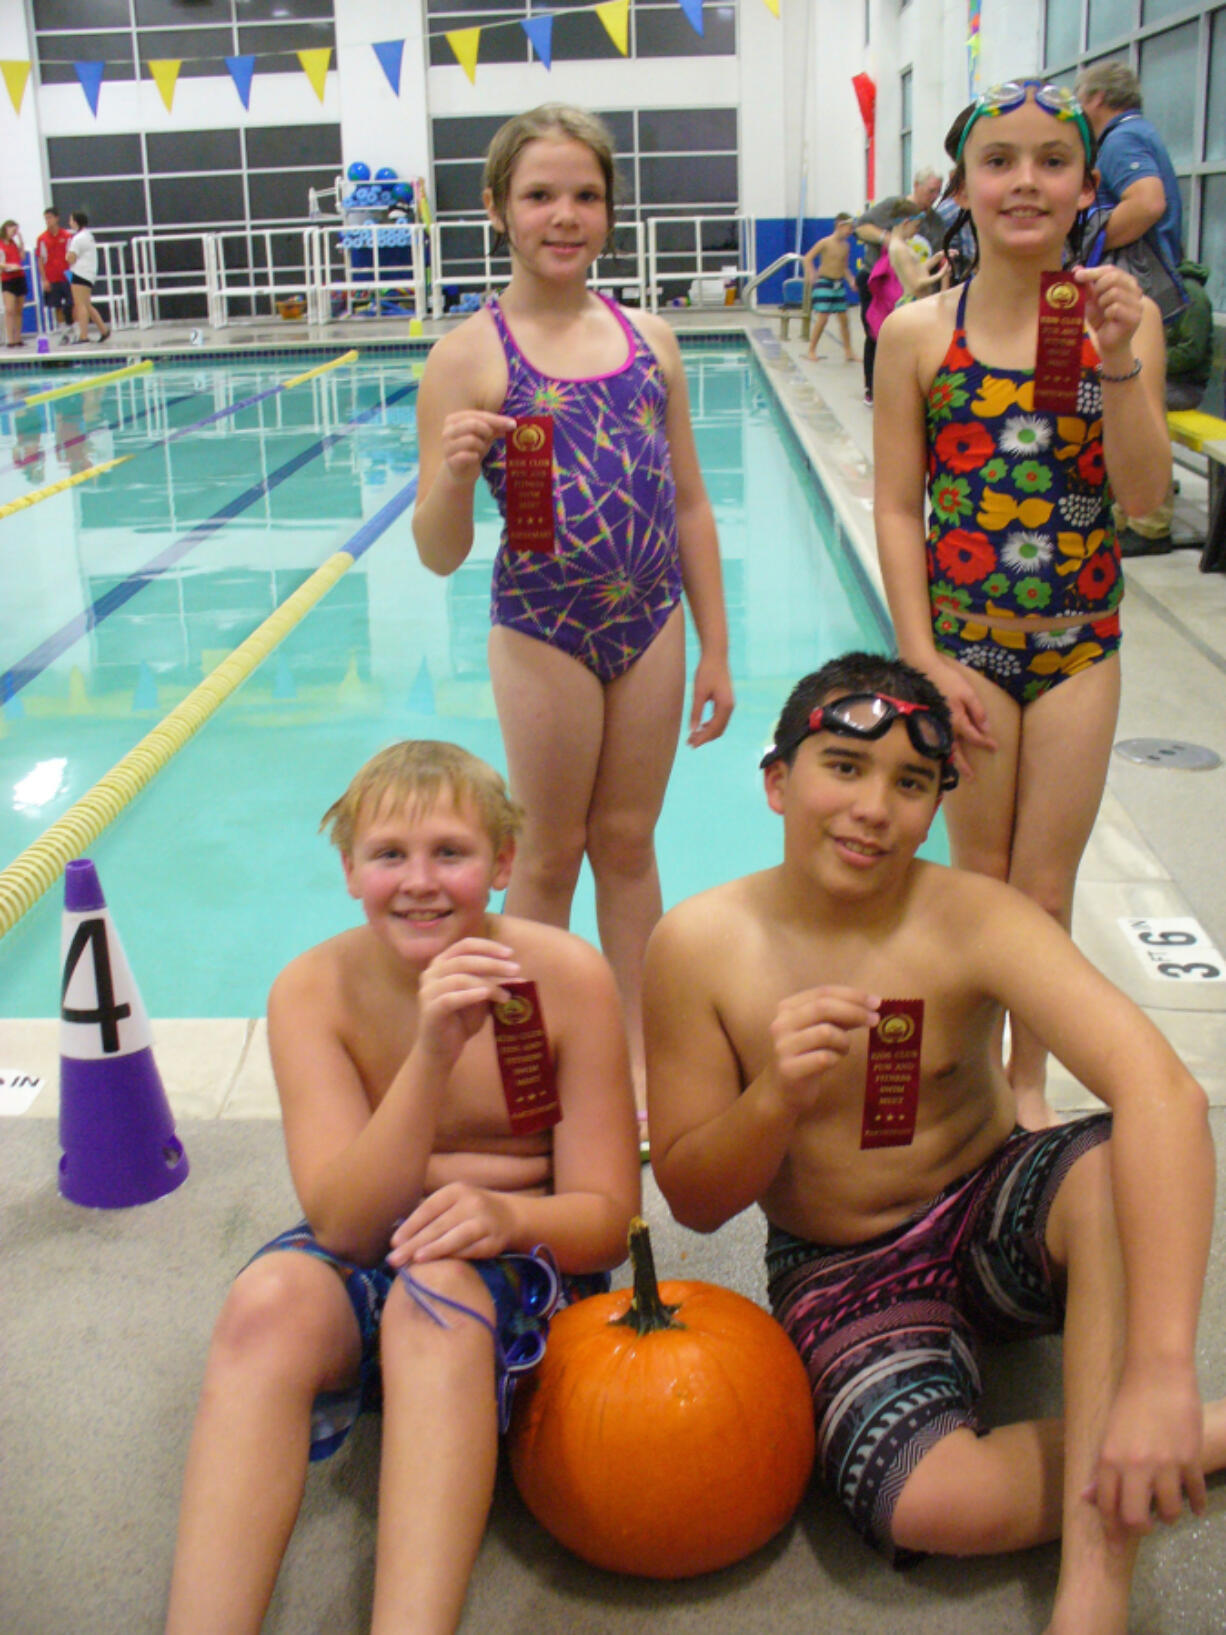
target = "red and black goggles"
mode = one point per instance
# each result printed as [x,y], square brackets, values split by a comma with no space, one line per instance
[871,715]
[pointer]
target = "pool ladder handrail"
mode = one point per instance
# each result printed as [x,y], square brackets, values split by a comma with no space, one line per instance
[768,272]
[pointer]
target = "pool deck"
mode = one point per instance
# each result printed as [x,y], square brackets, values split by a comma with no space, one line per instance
[1156,849]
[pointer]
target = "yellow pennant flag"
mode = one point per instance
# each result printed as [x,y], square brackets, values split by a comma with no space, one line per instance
[615,15]
[165,72]
[15,76]
[315,66]
[772,6]
[465,43]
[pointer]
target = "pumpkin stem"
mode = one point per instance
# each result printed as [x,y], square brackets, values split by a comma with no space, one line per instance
[647,1313]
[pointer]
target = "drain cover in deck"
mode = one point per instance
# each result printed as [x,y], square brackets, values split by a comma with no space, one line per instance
[1168,752]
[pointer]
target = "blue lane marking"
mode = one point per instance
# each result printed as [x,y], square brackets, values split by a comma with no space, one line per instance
[371,529]
[35,662]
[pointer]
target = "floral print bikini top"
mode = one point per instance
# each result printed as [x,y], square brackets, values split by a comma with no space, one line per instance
[1020,520]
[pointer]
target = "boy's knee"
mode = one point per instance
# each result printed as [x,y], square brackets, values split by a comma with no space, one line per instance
[429,1321]
[280,1310]
[1084,1206]
[947,1508]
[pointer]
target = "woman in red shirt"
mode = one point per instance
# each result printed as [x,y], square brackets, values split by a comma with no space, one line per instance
[13,274]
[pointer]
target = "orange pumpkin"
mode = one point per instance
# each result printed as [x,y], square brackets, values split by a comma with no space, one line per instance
[665,1433]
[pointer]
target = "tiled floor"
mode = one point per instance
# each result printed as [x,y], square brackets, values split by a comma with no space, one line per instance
[1157,848]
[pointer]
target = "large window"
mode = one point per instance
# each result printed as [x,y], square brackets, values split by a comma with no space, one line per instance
[1178,50]
[181,181]
[670,162]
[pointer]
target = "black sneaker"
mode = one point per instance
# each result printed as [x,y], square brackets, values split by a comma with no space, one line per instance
[1134,544]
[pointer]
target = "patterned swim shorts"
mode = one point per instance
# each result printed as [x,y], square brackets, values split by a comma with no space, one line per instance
[889,1330]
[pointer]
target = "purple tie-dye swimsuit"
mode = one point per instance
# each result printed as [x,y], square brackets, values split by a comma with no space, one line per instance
[615,575]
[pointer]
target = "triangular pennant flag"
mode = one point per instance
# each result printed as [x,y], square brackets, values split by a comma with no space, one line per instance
[15,76]
[772,6]
[241,70]
[90,75]
[315,66]
[390,54]
[165,72]
[615,15]
[465,43]
[693,12]
[540,31]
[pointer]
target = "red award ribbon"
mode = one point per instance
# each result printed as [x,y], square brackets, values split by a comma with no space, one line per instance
[528,1080]
[891,1092]
[529,497]
[1057,362]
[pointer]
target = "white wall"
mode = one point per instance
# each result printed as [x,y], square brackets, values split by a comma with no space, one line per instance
[24,186]
[927,36]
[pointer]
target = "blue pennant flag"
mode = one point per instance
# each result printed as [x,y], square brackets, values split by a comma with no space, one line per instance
[693,12]
[540,31]
[390,54]
[241,70]
[90,75]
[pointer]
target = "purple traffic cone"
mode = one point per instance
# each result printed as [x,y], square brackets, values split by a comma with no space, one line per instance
[116,1127]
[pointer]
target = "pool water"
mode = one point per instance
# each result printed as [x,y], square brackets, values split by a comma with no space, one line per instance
[124,591]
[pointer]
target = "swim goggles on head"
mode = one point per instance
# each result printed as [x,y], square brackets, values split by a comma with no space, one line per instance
[1056,100]
[871,715]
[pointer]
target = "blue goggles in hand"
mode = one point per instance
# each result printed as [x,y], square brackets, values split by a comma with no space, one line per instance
[1056,100]
[870,716]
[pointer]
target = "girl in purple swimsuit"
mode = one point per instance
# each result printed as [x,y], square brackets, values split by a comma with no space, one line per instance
[1007,600]
[587,646]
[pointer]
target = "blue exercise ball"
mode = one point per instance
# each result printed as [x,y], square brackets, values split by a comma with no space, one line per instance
[385,173]
[404,192]
[359,171]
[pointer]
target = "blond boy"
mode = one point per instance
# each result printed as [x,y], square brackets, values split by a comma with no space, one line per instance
[420,1252]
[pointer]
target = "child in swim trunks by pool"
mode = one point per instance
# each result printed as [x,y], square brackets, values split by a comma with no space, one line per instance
[420,1263]
[889,1265]
[830,256]
[587,652]
[1009,601]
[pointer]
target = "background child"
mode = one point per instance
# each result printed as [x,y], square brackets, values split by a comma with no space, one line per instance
[587,650]
[13,280]
[403,1157]
[829,282]
[1010,603]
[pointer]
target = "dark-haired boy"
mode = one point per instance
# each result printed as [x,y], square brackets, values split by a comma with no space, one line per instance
[895,1250]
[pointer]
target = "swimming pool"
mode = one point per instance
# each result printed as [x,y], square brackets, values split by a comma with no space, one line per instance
[123,591]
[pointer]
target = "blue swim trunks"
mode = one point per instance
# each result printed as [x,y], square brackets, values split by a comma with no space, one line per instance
[526,1290]
[890,1330]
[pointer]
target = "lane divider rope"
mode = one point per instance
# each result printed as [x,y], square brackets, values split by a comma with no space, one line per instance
[85,385]
[24,501]
[36,869]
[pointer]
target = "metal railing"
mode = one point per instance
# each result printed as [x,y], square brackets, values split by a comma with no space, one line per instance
[155,284]
[494,267]
[707,266]
[345,268]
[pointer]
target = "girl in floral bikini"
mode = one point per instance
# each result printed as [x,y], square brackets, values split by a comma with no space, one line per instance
[587,650]
[1009,603]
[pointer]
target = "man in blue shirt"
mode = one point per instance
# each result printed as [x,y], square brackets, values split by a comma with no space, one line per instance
[1138,187]
[1136,177]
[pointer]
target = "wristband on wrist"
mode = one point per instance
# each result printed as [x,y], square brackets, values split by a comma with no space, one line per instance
[1115,380]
